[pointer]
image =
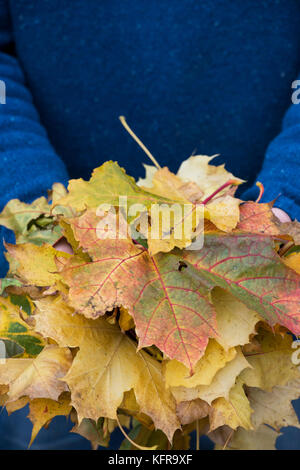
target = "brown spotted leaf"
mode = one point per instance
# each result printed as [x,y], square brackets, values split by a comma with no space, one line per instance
[258,218]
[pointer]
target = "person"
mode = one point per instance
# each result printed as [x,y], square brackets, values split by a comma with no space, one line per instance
[207,77]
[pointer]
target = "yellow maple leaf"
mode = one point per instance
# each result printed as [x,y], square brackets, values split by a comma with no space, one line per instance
[39,377]
[215,357]
[57,193]
[106,366]
[3,394]
[147,182]
[234,412]
[114,182]
[236,322]
[220,386]
[293,261]
[196,169]
[208,177]
[272,363]
[183,223]
[130,406]
[35,265]
[43,410]
[165,183]
[224,212]
[126,321]
[16,405]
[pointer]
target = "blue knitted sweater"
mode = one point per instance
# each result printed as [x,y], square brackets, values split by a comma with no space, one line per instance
[205,76]
[208,76]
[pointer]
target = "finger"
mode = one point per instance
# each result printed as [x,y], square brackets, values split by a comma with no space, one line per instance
[63,245]
[281,215]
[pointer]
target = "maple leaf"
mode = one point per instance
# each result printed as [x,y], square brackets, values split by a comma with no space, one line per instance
[263,438]
[107,183]
[98,433]
[234,412]
[191,411]
[171,308]
[164,183]
[57,193]
[43,410]
[14,328]
[17,215]
[220,386]
[271,362]
[248,267]
[290,228]
[189,311]
[215,357]
[93,432]
[115,183]
[208,177]
[173,227]
[236,322]
[50,234]
[106,366]
[39,377]
[125,321]
[16,405]
[130,407]
[30,222]
[35,265]
[258,218]
[293,261]
[223,212]
[275,408]
[147,182]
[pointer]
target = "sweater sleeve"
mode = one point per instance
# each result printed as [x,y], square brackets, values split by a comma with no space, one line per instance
[28,162]
[280,173]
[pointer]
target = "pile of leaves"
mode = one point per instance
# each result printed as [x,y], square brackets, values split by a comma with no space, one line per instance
[143,332]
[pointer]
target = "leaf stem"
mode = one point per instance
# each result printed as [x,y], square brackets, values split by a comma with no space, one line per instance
[261,191]
[197,435]
[285,248]
[228,440]
[130,440]
[225,185]
[139,142]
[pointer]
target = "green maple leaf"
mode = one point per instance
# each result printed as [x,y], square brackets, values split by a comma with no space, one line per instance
[18,215]
[30,222]
[14,328]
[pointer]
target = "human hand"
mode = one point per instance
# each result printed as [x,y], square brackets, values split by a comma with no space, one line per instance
[63,245]
[281,215]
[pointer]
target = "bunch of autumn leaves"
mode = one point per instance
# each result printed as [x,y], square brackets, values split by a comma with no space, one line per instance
[145,333]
